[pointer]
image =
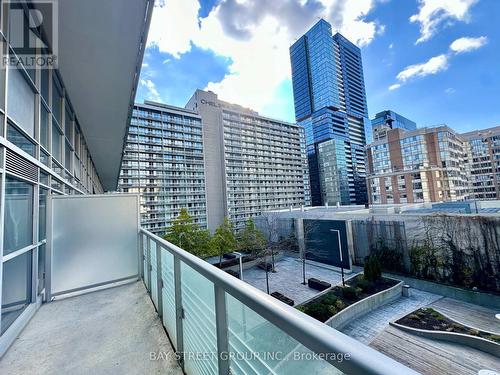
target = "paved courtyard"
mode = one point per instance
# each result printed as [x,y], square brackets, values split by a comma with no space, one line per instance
[366,327]
[288,278]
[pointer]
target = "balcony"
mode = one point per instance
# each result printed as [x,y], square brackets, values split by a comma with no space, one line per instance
[171,311]
[108,331]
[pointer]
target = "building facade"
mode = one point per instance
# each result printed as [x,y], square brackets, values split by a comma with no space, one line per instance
[61,133]
[330,103]
[386,120]
[163,161]
[252,163]
[423,165]
[484,162]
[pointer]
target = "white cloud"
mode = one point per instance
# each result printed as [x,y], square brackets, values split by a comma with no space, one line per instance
[391,46]
[434,65]
[465,44]
[173,24]
[433,13]
[255,35]
[450,90]
[153,93]
[439,63]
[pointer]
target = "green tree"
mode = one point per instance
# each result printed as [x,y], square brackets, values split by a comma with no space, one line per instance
[223,240]
[188,235]
[251,239]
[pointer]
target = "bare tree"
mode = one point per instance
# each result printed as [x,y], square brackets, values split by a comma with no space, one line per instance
[305,229]
[272,231]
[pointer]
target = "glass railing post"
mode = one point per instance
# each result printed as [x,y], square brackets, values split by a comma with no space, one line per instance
[141,250]
[148,262]
[159,281]
[179,311]
[221,328]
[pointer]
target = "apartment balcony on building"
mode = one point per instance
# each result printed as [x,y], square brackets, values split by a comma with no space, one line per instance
[120,299]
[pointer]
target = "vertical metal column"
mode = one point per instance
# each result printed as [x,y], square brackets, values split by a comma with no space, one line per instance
[221,328]
[141,256]
[148,263]
[159,280]
[179,310]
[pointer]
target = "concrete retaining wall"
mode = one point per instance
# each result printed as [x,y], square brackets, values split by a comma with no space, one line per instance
[362,307]
[457,338]
[470,296]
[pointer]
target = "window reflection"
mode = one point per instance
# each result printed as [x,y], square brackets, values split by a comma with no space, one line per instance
[20,140]
[18,231]
[16,288]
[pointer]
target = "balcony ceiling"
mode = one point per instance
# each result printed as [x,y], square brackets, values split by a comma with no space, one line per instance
[99,56]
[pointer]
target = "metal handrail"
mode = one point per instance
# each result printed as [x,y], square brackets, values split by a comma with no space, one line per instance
[314,335]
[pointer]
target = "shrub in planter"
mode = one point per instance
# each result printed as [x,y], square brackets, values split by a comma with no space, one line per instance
[372,269]
[365,285]
[318,311]
[349,292]
[339,304]
[333,310]
[329,299]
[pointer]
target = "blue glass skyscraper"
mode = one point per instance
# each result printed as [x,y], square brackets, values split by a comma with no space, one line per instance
[330,102]
[387,120]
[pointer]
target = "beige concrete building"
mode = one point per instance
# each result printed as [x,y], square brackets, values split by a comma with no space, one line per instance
[252,163]
[422,165]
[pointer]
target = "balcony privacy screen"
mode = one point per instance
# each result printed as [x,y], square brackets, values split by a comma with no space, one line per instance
[94,241]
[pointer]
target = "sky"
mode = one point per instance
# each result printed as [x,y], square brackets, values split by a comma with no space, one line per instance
[432,61]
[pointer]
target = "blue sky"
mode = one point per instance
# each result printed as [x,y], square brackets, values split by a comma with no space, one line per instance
[433,61]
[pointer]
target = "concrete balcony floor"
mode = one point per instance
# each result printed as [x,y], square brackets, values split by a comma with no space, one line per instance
[112,331]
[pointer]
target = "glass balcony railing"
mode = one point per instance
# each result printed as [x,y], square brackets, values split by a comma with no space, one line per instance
[221,325]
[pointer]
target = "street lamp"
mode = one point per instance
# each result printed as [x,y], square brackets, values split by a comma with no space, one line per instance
[340,253]
[241,263]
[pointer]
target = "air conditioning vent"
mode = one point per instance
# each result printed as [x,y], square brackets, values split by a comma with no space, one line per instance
[20,166]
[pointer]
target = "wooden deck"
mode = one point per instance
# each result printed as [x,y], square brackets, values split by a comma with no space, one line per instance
[468,314]
[433,356]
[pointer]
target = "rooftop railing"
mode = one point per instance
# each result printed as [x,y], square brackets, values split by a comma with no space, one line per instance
[220,325]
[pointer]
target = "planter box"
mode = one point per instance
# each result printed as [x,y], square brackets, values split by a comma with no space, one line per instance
[354,311]
[467,295]
[484,345]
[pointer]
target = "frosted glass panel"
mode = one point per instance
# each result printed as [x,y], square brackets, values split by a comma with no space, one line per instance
[259,347]
[154,273]
[200,339]
[168,294]
[94,240]
[21,101]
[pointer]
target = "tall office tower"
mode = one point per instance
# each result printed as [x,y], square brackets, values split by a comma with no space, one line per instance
[252,163]
[387,120]
[61,130]
[422,165]
[330,103]
[484,162]
[163,161]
